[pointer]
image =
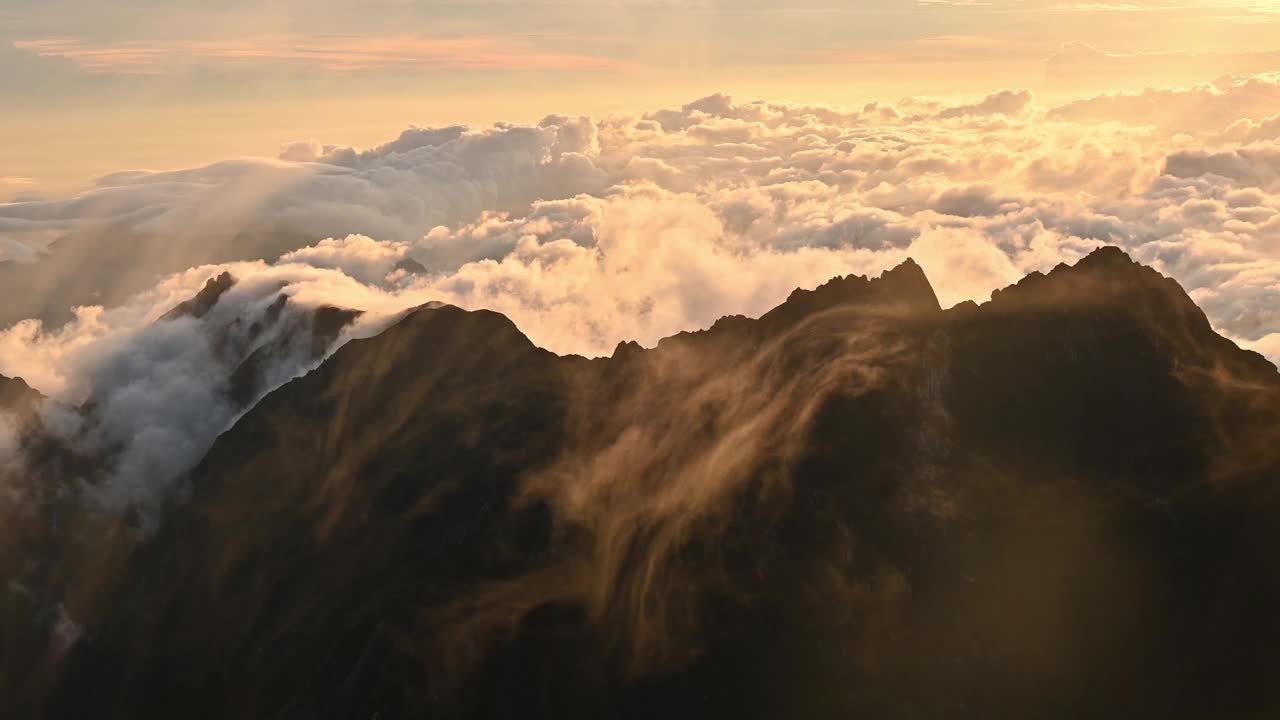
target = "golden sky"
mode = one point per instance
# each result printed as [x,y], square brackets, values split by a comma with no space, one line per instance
[95,87]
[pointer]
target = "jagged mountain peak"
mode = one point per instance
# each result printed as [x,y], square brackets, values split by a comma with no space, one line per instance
[1107,275]
[18,399]
[904,287]
[411,266]
[903,292]
[203,302]
[435,316]
[15,389]
[1108,282]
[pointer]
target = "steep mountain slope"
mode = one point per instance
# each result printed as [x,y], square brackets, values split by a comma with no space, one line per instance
[16,396]
[66,530]
[1061,503]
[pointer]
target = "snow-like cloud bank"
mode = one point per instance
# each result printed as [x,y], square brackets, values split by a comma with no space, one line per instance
[587,233]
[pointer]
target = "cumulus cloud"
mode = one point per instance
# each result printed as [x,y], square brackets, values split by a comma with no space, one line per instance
[360,257]
[1005,102]
[1207,108]
[1246,130]
[1256,166]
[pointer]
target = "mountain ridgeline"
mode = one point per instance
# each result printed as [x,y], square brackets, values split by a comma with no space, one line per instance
[1062,503]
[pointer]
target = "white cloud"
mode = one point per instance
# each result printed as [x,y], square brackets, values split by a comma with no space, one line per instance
[161,389]
[1252,166]
[361,257]
[1203,109]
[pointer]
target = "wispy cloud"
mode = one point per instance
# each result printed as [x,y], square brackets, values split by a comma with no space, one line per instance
[945,48]
[1105,7]
[342,53]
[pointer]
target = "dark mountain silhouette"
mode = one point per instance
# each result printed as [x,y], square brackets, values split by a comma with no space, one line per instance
[203,302]
[1061,503]
[17,398]
[411,266]
[57,548]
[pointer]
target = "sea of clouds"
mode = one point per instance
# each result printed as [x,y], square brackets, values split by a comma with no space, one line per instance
[591,232]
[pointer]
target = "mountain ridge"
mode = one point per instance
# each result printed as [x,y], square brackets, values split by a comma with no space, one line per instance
[1059,502]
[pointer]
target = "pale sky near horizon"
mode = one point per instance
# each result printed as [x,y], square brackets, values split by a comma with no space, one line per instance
[95,87]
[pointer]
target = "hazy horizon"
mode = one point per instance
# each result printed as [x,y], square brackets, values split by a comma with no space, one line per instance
[147,85]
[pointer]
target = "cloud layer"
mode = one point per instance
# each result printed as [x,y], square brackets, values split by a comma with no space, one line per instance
[1161,172]
[591,232]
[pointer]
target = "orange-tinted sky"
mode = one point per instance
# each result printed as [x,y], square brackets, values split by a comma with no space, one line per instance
[95,87]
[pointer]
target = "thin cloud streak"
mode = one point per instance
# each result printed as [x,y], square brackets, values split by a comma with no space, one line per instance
[341,53]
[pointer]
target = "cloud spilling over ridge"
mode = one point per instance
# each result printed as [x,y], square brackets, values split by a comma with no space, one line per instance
[588,233]
[160,387]
[135,227]
[144,388]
